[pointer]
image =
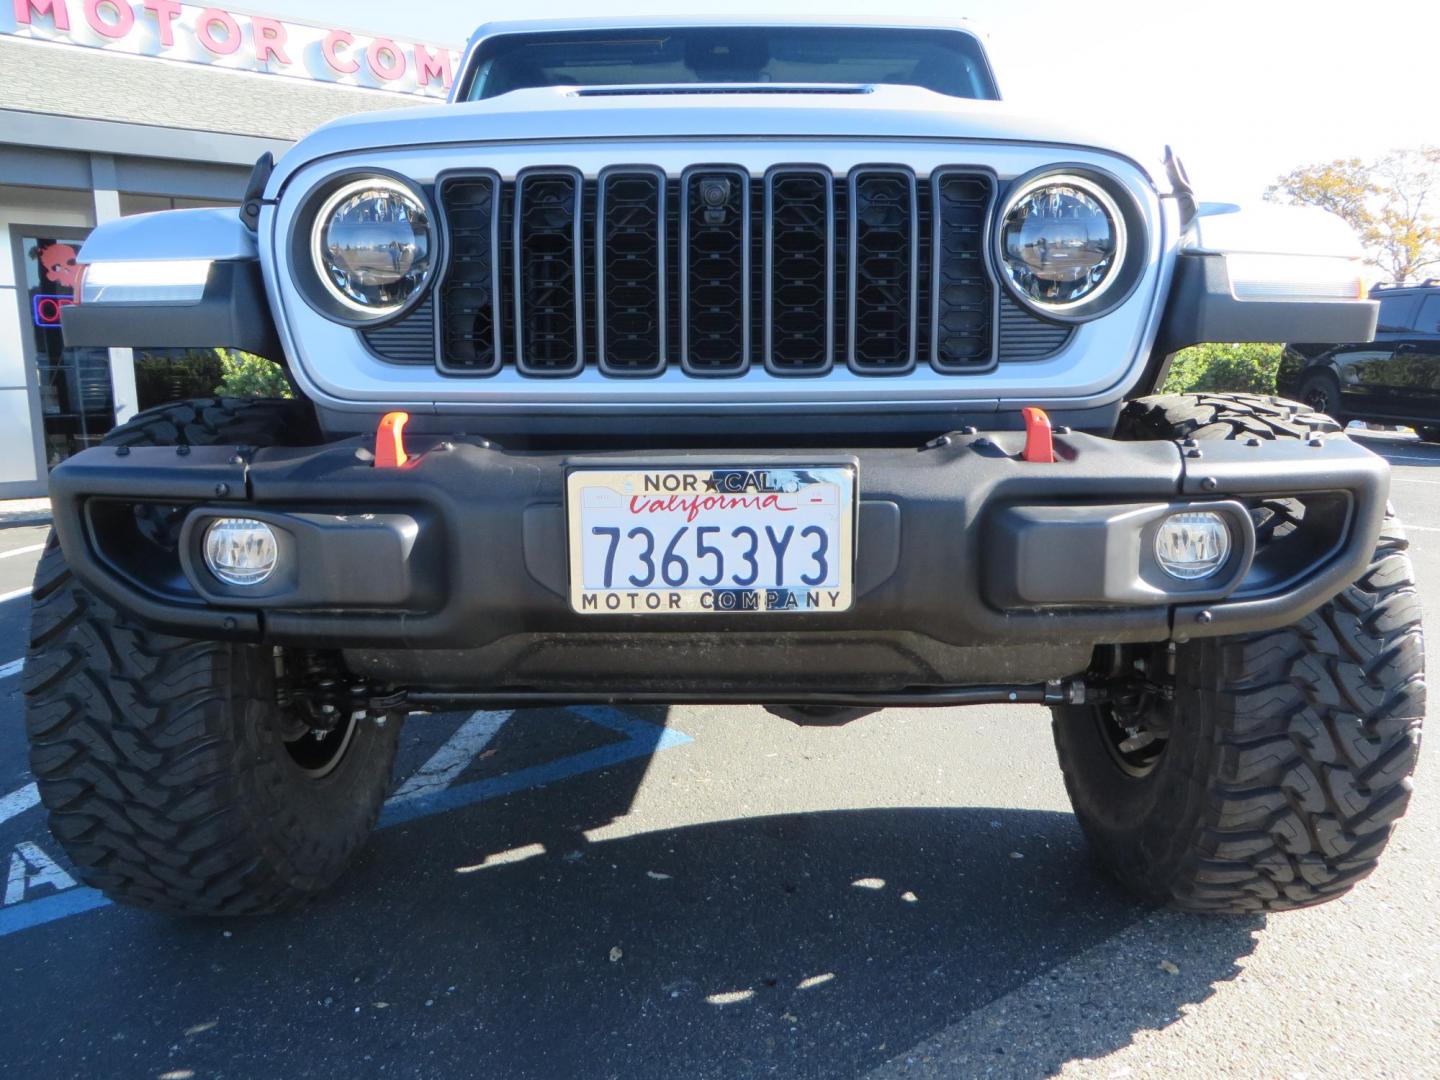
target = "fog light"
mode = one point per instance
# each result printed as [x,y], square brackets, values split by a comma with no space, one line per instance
[1192,545]
[241,551]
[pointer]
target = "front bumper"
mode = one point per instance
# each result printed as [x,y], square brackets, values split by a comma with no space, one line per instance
[972,565]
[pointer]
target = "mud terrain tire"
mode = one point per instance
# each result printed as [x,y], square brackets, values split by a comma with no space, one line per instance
[171,777]
[1290,752]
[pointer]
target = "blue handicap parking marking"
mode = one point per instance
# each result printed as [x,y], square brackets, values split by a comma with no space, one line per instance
[59,905]
[639,739]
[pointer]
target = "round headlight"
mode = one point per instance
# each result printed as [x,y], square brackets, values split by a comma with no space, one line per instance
[1062,242]
[372,246]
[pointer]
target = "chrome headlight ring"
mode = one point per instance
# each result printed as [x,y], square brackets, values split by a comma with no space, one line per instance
[1089,277]
[383,251]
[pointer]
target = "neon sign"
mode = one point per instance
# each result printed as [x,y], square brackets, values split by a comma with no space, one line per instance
[46,309]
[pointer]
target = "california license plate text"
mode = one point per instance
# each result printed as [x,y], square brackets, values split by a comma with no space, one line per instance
[717,540]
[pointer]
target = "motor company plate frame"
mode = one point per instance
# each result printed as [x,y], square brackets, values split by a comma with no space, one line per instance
[797,522]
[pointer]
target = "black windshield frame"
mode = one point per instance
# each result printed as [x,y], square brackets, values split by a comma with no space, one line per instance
[948,61]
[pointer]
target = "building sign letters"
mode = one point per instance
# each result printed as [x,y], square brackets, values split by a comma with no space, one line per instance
[221,38]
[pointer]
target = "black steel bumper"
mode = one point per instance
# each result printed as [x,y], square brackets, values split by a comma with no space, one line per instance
[972,566]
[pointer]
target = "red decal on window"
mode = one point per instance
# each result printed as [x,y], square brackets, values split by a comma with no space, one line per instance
[58,262]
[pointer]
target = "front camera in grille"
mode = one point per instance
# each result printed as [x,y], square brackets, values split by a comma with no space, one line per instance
[715,271]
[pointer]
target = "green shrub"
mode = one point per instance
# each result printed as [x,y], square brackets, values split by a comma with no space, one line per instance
[1246,369]
[245,375]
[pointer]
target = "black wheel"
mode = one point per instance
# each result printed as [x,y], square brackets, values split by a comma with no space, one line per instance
[1320,390]
[1273,773]
[174,777]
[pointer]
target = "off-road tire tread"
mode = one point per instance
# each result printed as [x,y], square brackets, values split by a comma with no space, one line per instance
[1220,416]
[141,743]
[221,421]
[1316,726]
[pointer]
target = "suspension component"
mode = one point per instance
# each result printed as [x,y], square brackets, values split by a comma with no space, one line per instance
[314,691]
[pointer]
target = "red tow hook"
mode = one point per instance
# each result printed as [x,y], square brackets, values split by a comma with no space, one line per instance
[390,441]
[1039,440]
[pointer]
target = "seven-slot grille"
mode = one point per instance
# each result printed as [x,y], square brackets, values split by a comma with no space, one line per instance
[715,272]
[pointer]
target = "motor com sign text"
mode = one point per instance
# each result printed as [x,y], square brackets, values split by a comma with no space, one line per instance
[221,38]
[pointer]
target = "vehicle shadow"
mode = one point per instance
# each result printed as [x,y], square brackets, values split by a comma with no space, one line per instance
[499,940]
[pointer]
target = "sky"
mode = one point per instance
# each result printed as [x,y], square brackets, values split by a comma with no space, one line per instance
[1245,90]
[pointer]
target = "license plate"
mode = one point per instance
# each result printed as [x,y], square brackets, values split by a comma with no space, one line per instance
[722,540]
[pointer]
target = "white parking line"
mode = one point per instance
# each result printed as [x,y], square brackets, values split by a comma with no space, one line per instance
[13,668]
[1420,528]
[1411,458]
[22,551]
[450,760]
[439,772]
[17,802]
[1413,480]
[15,595]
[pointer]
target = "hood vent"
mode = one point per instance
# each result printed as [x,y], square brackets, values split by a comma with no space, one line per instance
[698,89]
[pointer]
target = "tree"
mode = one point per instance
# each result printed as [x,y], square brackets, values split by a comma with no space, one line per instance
[251,376]
[1391,202]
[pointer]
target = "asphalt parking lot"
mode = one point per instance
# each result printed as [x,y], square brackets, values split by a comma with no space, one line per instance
[711,892]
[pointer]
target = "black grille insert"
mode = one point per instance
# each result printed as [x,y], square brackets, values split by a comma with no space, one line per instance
[884,269]
[469,329]
[715,270]
[549,263]
[630,271]
[962,312]
[799,270]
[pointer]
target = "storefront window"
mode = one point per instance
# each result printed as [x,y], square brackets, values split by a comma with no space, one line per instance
[76,402]
[166,375]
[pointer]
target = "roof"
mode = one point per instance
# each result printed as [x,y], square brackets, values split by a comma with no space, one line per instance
[96,85]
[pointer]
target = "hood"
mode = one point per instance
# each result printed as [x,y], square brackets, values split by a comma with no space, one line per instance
[568,114]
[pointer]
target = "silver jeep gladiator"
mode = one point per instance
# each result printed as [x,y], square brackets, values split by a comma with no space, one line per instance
[758,361]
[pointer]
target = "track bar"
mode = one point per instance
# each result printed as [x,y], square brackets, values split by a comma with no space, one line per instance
[1056,692]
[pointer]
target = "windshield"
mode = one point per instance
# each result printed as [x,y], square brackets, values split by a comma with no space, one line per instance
[945,61]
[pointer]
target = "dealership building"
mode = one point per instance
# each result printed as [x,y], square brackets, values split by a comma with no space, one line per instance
[109,109]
